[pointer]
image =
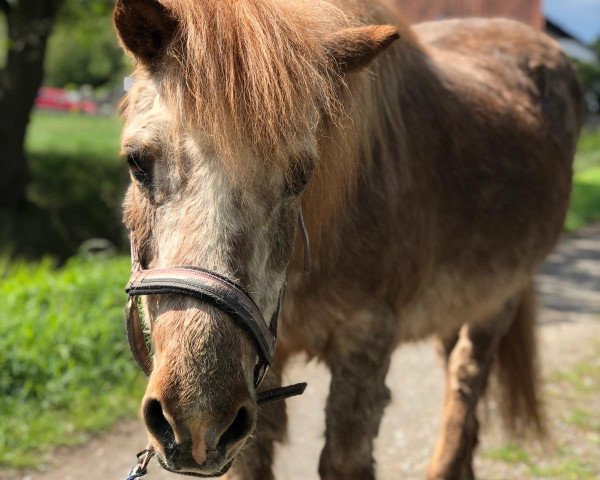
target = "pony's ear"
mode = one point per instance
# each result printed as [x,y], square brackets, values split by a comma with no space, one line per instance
[354,48]
[146,27]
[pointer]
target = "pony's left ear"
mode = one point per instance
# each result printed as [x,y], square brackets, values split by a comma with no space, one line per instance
[354,48]
[146,28]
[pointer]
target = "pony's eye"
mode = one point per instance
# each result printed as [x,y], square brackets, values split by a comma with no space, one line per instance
[299,175]
[139,170]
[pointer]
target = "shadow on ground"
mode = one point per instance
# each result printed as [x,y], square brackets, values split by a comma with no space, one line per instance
[569,281]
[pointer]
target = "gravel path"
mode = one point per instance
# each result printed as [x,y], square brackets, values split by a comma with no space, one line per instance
[569,285]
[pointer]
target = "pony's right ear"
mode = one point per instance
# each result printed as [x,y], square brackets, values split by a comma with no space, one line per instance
[145,27]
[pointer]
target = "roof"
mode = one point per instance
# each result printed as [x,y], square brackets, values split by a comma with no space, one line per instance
[528,11]
[554,29]
[571,45]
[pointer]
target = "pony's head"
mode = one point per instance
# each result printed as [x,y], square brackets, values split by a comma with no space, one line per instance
[222,133]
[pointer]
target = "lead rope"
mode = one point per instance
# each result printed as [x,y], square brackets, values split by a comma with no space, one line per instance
[141,468]
[268,396]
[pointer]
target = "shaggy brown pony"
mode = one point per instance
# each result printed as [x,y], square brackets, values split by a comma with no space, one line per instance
[433,167]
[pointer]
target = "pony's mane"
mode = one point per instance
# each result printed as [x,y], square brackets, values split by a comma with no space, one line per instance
[252,73]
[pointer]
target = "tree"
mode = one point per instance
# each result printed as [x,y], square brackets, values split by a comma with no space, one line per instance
[589,76]
[83,50]
[29,25]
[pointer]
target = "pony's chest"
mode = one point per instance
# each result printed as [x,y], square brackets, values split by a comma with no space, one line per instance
[314,322]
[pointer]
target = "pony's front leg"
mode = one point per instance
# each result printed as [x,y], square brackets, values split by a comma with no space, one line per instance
[255,462]
[359,357]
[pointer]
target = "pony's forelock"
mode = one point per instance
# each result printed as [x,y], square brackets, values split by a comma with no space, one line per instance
[252,74]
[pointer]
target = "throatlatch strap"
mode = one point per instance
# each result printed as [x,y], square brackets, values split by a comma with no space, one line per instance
[280,393]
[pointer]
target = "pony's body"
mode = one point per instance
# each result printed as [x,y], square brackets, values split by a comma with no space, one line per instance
[450,226]
[473,194]
[439,180]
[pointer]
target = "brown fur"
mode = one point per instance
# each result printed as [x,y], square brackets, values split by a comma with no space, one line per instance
[440,171]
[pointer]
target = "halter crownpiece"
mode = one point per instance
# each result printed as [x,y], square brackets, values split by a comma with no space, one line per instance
[220,292]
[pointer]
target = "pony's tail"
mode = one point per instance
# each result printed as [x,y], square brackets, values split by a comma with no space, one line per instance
[518,373]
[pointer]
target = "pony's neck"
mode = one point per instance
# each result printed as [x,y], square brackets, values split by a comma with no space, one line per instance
[371,152]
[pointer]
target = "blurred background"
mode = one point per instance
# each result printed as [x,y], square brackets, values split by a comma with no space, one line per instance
[65,369]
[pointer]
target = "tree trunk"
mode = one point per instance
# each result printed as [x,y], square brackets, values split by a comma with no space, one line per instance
[29,25]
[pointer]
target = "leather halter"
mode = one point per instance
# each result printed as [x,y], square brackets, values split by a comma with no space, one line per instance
[218,291]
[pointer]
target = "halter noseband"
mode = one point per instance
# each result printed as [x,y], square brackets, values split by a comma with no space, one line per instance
[216,290]
[220,292]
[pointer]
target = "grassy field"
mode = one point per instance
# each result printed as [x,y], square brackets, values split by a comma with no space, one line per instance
[74,135]
[65,366]
[585,199]
[65,369]
[76,190]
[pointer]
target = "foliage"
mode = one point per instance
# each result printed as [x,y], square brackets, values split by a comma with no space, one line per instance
[76,188]
[3,40]
[83,50]
[75,10]
[589,77]
[585,199]
[65,367]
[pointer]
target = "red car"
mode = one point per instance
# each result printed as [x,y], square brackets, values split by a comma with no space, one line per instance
[50,98]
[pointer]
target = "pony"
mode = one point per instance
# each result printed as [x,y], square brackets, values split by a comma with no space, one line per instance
[432,164]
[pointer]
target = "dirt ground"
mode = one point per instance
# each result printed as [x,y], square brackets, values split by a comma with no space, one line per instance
[569,286]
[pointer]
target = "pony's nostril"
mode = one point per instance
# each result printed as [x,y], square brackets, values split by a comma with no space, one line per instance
[158,425]
[239,428]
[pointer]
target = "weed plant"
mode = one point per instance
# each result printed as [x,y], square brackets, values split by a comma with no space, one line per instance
[65,367]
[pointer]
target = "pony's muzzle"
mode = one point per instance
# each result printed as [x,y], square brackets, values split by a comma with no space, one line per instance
[200,443]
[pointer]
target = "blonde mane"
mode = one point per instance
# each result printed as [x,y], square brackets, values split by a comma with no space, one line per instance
[252,73]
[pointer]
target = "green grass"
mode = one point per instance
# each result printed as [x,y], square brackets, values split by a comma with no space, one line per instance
[77,186]
[65,366]
[508,453]
[573,469]
[588,150]
[75,135]
[585,199]
[76,168]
